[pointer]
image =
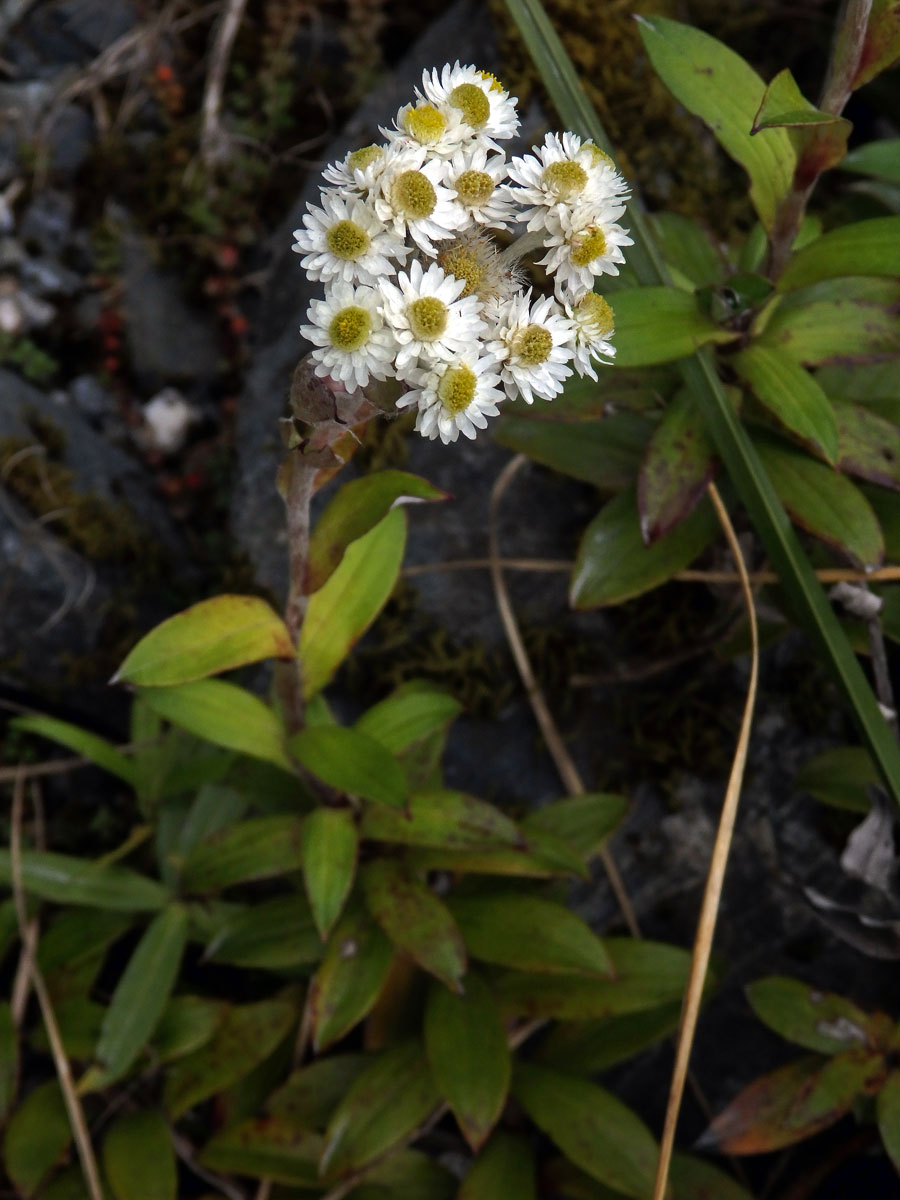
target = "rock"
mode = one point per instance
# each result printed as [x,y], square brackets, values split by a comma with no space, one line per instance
[92,400]
[47,221]
[65,140]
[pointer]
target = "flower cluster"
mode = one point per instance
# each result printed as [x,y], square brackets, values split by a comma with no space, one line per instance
[416,285]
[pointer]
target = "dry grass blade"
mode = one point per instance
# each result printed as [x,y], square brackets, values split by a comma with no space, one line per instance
[213,141]
[565,766]
[713,891]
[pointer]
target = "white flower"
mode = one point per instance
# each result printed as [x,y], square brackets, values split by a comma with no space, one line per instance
[474,180]
[583,243]
[429,320]
[348,330]
[485,106]
[358,170]
[535,343]
[593,320]
[410,196]
[345,240]
[455,397]
[440,131]
[562,174]
[474,258]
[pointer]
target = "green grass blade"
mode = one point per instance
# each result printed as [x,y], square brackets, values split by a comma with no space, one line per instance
[744,468]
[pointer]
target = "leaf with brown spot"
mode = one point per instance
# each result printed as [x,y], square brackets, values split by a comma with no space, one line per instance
[678,463]
[346,985]
[267,1148]
[868,445]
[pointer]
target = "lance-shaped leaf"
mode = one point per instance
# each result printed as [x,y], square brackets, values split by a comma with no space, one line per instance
[259,848]
[278,935]
[66,880]
[591,1127]
[819,138]
[415,920]
[543,855]
[820,1021]
[310,1094]
[36,1138]
[406,1174]
[392,1096]
[224,714]
[357,507]
[840,777]
[791,394]
[138,1157]
[823,503]
[529,934]
[245,1038]
[212,636]
[414,711]
[584,822]
[888,1110]
[97,749]
[187,1023]
[716,85]
[792,1103]
[688,248]
[465,1040]
[661,324]
[142,993]
[340,612]
[586,1047]
[351,762]
[868,445]
[267,1148]
[347,984]
[504,1168]
[613,564]
[604,453]
[678,463]
[442,819]
[880,160]
[696,1179]
[837,321]
[329,863]
[869,247]
[881,48]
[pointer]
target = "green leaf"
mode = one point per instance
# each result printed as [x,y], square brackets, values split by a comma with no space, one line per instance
[839,777]
[224,714]
[351,762]
[36,1137]
[660,324]
[543,856]
[688,248]
[888,1111]
[9,1060]
[329,863]
[716,85]
[266,1148]
[880,160]
[75,939]
[276,935]
[869,446]
[869,247]
[66,1185]
[442,819]
[678,463]
[886,506]
[465,1040]
[791,394]
[210,637]
[187,1023]
[823,503]
[406,1175]
[347,984]
[259,848]
[138,1158]
[393,1095]
[695,1179]
[837,321]
[613,564]
[310,1094]
[357,507]
[881,48]
[504,1169]
[647,976]
[819,1021]
[586,1047]
[142,992]
[819,138]
[412,712]
[591,1127]
[66,880]
[584,822]
[246,1037]
[97,749]
[342,609]
[791,1104]
[415,920]
[605,453]
[79,1020]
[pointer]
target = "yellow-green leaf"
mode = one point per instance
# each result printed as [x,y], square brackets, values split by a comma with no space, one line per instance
[259,848]
[791,394]
[443,820]
[328,847]
[138,1157]
[97,749]
[660,324]
[869,247]
[346,985]
[66,880]
[351,762]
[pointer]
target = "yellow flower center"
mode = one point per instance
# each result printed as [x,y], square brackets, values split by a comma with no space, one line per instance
[532,345]
[565,179]
[463,264]
[598,156]
[350,328]
[594,312]
[425,124]
[495,84]
[588,245]
[413,194]
[472,103]
[474,188]
[457,389]
[364,157]
[347,240]
[427,318]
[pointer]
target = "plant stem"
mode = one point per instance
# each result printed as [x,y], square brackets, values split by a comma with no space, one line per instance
[297,498]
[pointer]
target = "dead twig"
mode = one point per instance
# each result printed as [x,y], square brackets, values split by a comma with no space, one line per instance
[213,139]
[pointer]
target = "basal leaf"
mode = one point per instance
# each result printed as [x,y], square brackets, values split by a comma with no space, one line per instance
[277,935]
[138,1158]
[678,463]
[351,762]
[504,1168]
[661,324]
[443,820]
[347,984]
[791,394]
[838,321]
[869,247]
[606,453]
[215,635]
[688,248]
[329,862]
[820,1021]
[259,848]
[66,880]
[868,445]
